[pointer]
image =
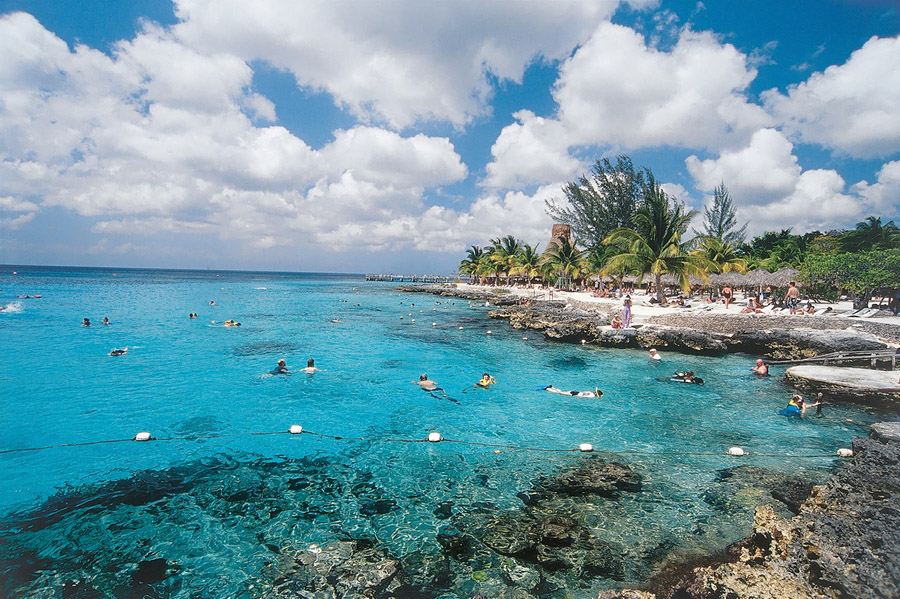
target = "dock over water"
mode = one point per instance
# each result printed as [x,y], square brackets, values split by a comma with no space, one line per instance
[395,278]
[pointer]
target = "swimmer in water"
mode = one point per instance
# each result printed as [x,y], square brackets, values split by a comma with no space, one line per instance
[310,367]
[119,352]
[687,377]
[595,393]
[232,323]
[432,388]
[86,322]
[761,368]
[281,368]
[654,355]
[486,381]
[796,407]
[212,303]
[106,320]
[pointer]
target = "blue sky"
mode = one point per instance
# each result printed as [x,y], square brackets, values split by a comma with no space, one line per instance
[390,136]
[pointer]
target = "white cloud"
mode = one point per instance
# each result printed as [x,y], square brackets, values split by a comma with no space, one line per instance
[883,196]
[398,62]
[852,108]
[618,91]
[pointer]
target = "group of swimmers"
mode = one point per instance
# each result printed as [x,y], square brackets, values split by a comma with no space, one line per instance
[86,322]
[282,368]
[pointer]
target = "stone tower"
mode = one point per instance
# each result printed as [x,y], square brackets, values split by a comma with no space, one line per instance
[560,231]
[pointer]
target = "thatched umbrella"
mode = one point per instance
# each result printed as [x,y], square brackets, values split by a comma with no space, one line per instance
[759,277]
[783,276]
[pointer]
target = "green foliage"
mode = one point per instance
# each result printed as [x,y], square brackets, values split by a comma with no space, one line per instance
[722,255]
[860,273]
[564,260]
[504,254]
[871,235]
[654,245]
[720,222]
[605,201]
[774,250]
[528,262]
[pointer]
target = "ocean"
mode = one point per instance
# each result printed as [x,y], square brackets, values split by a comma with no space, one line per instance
[224,495]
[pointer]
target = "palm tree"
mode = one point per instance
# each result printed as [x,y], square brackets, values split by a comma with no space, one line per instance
[871,234]
[654,246]
[528,262]
[504,253]
[469,264]
[563,259]
[721,254]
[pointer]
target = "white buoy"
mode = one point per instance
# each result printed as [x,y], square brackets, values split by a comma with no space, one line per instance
[460,328]
[583,341]
[142,437]
[735,451]
[413,319]
[487,303]
[490,333]
[845,453]
[585,447]
[434,437]
[524,338]
[295,429]
[434,324]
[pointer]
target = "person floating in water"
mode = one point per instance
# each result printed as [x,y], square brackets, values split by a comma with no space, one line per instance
[796,407]
[595,393]
[192,315]
[85,322]
[486,381]
[232,323]
[212,303]
[432,388]
[654,355]
[310,367]
[106,320]
[119,352]
[761,368]
[281,368]
[687,377]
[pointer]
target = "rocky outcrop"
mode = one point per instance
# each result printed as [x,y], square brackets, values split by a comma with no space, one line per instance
[556,319]
[860,384]
[500,298]
[844,543]
[792,344]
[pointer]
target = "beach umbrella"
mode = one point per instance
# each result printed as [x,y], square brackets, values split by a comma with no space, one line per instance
[783,276]
[759,277]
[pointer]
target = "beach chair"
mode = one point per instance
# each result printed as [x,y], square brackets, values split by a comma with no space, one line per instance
[822,311]
[868,313]
[849,313]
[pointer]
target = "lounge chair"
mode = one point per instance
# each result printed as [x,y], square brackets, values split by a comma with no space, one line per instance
[849,313]
[822,311]
[868,313]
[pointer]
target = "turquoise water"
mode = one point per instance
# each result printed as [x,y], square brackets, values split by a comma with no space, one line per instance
[217,497]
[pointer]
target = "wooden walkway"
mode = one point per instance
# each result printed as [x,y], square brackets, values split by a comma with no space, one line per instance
[848,356]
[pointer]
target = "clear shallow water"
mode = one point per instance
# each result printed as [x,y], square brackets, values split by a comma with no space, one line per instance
[217,499]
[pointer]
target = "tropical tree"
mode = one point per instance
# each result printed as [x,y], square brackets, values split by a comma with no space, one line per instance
[723,256]
[772,250]
[596,205]
[504,254]
[870,234]
[563,260]
[469,264]
[528,262]
[862,273]
[720,221]
[654,246]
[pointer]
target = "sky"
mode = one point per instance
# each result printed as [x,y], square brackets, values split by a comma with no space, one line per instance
[389,136]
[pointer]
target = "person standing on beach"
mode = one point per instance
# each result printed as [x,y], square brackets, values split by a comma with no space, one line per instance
[726,294]
[792,297]
[626,312]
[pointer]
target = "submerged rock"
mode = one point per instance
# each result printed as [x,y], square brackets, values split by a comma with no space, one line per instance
[592,476]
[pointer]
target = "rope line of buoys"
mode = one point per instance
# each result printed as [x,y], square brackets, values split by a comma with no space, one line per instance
[436,437]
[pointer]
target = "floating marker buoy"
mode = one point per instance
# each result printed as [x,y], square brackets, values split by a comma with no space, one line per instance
[413,319]
[142,437]
[585,447]
[489,333]
[295,429]
[434,324]
[845,453]
[487,303]
[524,338]
[434,437]
[735,451]
[583,341]
[460,328]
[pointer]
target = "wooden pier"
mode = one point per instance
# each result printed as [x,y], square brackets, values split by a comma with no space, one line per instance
[873,357]
[395,278]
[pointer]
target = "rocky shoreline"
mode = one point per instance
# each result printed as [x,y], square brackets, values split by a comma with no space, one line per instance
[774,337]
[844,543]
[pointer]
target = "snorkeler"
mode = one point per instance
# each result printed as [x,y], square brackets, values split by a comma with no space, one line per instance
[796,407]
[232,323]
[595,393]
[118,352]
[486,381]
[432,387]
[86,322]
[687,377]
[281,368]
[106,320]
[310,367]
